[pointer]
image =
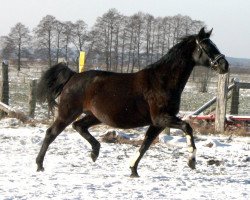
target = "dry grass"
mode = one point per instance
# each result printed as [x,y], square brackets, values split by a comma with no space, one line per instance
[207,128]
[112,137]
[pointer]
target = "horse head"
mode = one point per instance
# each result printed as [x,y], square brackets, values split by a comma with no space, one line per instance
[207,54]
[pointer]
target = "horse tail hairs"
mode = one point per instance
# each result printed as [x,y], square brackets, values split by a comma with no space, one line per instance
[52,82]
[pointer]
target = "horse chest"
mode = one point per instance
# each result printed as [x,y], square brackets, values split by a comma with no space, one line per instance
[165,102]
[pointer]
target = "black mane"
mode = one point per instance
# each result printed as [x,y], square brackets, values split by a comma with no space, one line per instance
[178,53]
[52,82]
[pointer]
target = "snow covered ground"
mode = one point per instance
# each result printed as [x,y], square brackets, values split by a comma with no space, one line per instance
[223,167]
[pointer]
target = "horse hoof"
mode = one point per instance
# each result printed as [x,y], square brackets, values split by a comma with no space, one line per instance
[94,156]
[192,163]
[95,152]
[134,176]
[40,169]
[134,173]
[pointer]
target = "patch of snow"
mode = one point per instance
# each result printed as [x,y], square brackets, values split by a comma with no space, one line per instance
[216,143]
[10,122]
[71,174]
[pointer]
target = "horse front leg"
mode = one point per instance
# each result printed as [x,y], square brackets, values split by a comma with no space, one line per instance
[175,122]
[151,134]
[51,134]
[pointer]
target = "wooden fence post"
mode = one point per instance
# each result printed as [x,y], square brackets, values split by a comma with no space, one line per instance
[32,98]
[221,103]
[235,97]
[5,85]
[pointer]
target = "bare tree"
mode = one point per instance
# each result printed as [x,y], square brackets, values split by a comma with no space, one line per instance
[79,34]
[177,22]
[102,31]
[158,36]
[149,20]
[115,41]
[67,37]
[123,38]
[163,35]
[138,25]
[45,35]
[131,32]
[196,25]
[17,40]
[118,28]
[136,40]
[108,28]
[6,47]
[59,37]
[92,48]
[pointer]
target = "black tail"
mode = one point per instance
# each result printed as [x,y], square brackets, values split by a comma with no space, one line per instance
[52,82]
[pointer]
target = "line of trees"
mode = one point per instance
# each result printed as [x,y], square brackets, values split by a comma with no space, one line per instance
[116,42]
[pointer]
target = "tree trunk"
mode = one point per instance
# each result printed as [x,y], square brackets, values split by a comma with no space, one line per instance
[123,48]
[19,58]
[49,49]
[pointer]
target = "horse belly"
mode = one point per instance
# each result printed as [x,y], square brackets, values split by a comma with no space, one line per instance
[120,115]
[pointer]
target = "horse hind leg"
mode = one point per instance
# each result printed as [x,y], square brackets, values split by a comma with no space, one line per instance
[175,122]
[150,136]
[51,134]
[82,126]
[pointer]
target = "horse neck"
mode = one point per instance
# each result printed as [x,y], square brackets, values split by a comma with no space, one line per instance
[174,74]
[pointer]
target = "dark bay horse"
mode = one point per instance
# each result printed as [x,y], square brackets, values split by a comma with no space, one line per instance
[150,97]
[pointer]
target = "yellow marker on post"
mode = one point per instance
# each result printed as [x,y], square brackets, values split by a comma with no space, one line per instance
[81,61]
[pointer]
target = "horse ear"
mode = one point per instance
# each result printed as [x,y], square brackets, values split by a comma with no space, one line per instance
[202,33]
[209,33]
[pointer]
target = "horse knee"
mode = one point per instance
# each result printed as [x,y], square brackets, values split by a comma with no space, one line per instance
[187,128]
[160,121]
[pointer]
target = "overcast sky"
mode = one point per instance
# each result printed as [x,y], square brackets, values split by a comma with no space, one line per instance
[229,18]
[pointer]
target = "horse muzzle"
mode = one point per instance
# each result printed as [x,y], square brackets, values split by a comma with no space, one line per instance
[221,66]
